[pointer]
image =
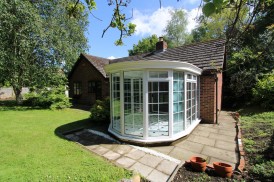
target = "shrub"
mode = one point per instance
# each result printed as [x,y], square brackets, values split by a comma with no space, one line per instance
[53,98]
[100,111]
[264,170]
[263,91]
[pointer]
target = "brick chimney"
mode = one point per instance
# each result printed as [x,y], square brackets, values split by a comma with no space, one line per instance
[161,45]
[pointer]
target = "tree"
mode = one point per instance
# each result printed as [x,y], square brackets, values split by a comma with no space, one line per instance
[38,43]
[249,31]
[144,46]
[147,45]
[176,28]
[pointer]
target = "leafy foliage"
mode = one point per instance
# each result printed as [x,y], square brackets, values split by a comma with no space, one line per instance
[100,111]
[264,91]
[39,43]
[144,46]
[176,28]
[53,98]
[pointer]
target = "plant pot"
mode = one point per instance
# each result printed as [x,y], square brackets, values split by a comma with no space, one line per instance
[222,169]
[198,164]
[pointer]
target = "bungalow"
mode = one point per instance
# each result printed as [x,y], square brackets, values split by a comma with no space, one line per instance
[155,97]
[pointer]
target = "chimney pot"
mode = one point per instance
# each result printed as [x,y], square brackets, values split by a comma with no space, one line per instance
[161,39]
[161,45]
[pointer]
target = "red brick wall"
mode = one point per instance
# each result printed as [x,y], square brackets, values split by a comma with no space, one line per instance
[85,72]
[208,97]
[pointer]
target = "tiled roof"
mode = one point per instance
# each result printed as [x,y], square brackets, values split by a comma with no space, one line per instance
[97,62]
[205,55]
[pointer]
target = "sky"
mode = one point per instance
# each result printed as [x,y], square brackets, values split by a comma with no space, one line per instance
[147,15]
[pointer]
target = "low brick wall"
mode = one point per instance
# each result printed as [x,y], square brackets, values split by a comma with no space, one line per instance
[7,93]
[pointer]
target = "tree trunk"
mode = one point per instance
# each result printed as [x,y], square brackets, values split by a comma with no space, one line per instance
[18,95]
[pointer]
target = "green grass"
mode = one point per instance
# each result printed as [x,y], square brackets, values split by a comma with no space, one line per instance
[258,140]
[31,149]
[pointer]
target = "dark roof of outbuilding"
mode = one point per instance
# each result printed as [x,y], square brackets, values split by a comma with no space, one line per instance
[95,61]
[205,55]
[98,63]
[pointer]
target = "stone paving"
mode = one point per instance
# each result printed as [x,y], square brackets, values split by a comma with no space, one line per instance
[213,142]
[216,143]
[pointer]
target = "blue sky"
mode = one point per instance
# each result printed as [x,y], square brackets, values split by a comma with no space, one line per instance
[148,17]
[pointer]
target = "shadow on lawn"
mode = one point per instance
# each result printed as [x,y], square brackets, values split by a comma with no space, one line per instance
[250,111]
[75,126]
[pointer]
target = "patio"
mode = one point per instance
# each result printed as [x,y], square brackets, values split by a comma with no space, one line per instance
[213,142]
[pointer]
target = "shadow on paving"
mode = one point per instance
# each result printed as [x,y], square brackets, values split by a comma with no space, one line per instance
[81,125]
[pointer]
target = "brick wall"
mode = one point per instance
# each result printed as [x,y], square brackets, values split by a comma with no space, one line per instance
[85,72]
[208,97]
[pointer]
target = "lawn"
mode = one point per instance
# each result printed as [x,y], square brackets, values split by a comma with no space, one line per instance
[31,150]
[258,140]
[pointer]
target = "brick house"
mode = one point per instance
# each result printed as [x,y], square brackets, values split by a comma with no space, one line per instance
[159,96]
[88,80]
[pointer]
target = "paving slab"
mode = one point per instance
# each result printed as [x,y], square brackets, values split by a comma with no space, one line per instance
[157,176]
[166,167]
[191,146]
[144,170]
[230,146]
[201,133]
[209,129]
[218,136]
[150,160]
[201,140]
[229,133]
[183,154]
[100,150]
[135,154]
[125,162]
[220,154]
[110,155]
[122,149]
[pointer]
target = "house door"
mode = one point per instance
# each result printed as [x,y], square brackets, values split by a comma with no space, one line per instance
[158,108]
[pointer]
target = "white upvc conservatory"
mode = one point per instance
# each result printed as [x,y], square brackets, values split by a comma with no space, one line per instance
[153,101]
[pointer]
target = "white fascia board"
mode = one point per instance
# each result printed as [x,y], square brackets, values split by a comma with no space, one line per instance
[156,64]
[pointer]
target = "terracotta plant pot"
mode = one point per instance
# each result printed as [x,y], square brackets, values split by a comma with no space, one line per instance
[198,164]
[222,169]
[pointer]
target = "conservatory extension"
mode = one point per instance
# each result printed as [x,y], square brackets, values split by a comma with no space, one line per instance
[153,101]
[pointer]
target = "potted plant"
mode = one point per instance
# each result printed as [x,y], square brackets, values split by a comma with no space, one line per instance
[222,169]
[198,164]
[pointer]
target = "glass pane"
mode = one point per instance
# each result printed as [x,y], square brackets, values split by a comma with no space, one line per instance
[153,74]
[181,86]
[175,85]
[180,107]
[163,86]
[153,97]
[153,108]
[163,97]
[175,75]
[163,74]
[180,96]
[175,96]
[163,108]
[189,76]
[175,107]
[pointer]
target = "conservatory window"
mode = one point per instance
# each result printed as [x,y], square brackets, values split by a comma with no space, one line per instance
[158,107]
[191,100]
[178,102]
[116,101]
[133,103]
